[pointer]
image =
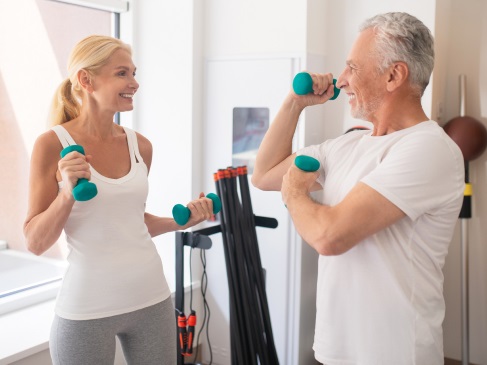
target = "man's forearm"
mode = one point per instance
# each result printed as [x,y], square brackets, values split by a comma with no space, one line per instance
[277,143]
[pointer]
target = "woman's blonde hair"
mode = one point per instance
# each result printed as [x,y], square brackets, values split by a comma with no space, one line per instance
[90,54]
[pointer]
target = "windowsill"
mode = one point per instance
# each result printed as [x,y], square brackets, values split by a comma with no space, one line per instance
[25,332]
[27,279]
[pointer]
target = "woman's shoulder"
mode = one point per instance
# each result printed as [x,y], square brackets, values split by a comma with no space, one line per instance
[46,153]
[145,148]
[47,142]
[143,142]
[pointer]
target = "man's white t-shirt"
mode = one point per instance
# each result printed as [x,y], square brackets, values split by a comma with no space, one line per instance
[381,302]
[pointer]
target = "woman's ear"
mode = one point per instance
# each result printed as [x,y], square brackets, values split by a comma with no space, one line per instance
[84,80]
[398,74]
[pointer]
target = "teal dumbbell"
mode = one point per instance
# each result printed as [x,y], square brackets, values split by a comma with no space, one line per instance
[307,163]
[181,214]
[84,190]
[303,84]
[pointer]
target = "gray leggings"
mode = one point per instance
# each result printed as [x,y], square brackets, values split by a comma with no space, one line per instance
[147,337]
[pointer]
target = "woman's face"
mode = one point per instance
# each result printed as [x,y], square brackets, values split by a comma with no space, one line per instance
[114,85]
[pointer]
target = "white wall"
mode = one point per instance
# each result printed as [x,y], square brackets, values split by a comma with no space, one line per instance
[168,104]
[234,27]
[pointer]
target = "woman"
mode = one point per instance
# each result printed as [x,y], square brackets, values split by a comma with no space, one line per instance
[115,284]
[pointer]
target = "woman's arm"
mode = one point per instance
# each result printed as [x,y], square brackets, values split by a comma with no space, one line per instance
[48,211]
[201,208]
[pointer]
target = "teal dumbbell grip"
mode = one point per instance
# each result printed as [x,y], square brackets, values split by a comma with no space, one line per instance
[181,214]
[303,84]
[307,163]
[84,190]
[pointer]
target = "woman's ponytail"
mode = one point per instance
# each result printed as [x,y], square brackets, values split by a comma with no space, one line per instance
[64,106]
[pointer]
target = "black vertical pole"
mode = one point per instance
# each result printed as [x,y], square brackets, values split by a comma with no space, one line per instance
[247,306]
[270,354]
[237,338]
[465,215]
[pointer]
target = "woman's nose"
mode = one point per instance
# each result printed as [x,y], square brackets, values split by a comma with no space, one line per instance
[134,84]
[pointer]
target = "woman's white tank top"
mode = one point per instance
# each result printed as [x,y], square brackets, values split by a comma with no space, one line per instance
[114,266]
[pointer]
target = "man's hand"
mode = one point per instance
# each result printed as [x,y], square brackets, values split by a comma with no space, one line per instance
[297,182]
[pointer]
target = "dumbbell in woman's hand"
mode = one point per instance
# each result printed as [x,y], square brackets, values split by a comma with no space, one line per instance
[307,163]
[181,214]
[303,84]
[84,190]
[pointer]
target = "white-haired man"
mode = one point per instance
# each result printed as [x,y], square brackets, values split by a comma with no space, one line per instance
[391,197]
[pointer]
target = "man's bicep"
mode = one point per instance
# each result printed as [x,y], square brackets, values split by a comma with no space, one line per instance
[272,180]
[362,213]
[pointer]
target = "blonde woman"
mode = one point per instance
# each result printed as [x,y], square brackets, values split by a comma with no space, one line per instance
[114,285]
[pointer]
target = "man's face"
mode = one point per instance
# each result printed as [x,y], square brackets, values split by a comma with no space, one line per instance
[360,78]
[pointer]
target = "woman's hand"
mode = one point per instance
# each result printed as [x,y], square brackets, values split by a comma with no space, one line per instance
[72,167]
[201,209]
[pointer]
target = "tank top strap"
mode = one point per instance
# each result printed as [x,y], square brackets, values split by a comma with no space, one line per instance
[63,135]
[133,145]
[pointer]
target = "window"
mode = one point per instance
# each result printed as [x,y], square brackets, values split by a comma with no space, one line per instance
[249,128]
[33,60]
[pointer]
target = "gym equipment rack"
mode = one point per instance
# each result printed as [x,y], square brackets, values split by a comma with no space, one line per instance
[250,328]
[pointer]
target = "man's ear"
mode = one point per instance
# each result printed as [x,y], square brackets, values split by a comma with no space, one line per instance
[398,75]
[84,79]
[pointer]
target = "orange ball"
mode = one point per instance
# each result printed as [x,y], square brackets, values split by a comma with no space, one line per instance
[469,134]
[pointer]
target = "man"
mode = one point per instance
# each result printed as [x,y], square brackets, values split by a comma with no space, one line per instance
[391,198]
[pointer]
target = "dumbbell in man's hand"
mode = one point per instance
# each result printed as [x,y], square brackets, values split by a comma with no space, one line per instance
[307,163]
[303,84]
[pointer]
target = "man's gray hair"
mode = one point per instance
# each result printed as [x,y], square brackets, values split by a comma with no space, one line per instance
[402,37]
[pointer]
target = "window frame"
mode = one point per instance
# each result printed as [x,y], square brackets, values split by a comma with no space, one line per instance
[113,6]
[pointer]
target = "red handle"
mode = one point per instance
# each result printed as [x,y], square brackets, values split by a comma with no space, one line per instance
[182,334]
[190,334]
